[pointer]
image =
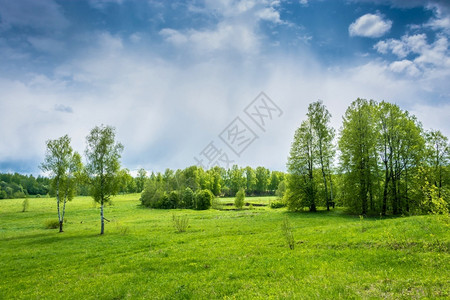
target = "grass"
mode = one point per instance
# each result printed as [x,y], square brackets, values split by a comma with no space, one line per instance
[223,254]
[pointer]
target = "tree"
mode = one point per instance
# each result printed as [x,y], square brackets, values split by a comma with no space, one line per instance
[301,188]
[240,198]
[64,167]
[103,165]
[262,180]
[357,143]
[319,117]
[438,157]
[140,180]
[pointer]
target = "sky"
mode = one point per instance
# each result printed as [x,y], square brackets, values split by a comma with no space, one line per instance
[210,82]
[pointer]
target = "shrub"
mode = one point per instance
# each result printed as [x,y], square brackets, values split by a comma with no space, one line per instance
[240,198]
[188,198]
[277,204]
[180,223]
[173,199]
[51,224]
[203,199]
[25,205]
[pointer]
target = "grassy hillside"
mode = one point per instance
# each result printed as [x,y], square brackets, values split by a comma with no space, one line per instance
[223,254]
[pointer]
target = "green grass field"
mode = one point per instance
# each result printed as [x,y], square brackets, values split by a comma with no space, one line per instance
[223,254]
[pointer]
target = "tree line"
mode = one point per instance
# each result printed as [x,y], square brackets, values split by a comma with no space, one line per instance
[177,189]
[20,186]
[383,162]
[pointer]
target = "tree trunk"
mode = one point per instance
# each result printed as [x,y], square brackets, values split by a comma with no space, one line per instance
[385,191]
[57,205]
[102,219]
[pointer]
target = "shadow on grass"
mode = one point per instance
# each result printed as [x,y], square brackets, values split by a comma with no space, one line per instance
[49,237]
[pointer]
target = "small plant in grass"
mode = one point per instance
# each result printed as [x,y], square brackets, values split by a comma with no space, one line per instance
[286,229]
[25,205]
[361,221]
[51,223]
[240,199]
[180,223]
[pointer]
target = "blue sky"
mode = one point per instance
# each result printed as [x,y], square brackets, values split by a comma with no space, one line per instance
[171,76]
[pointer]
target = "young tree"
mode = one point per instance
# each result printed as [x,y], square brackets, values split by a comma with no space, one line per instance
[64,167]
[240,198]
[103,165]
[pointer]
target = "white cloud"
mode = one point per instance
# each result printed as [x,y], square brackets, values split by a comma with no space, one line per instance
[370,25]
[406,45]
[406,66]
[426,58]
[269,14]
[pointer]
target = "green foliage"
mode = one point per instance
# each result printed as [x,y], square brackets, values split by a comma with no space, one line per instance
[103,165]
[286,229]
[13,185]
[240,199]
[25,205]
[431,202]
[277,204]
[174,199]
[51,223]
[65,169]
[188,198]
[180,222]
[281,190]
[203,199]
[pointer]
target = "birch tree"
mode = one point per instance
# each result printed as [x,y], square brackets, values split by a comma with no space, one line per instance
[64,167]
[103,165]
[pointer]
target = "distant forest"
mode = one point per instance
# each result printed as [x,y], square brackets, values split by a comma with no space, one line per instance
[256,181]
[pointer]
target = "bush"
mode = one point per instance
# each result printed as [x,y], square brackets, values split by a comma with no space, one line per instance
[203,199]
[188,198]
[25,205]
[51,224]
[240,199]
[173,199]
[180,223]
[277,204]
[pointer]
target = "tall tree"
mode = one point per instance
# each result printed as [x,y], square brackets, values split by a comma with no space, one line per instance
[262,180]
[320,117]
[140,179]
[357,143]
[438,157]
[301,186]
[103,165]
[64,167]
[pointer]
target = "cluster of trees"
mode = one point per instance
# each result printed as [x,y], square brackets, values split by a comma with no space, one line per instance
[177,189]
[388,164]
[101,172]
[20,186]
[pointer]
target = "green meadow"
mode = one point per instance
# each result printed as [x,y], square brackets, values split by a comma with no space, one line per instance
[223,254]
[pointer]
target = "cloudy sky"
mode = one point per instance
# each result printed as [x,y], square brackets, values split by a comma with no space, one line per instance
[175,78]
